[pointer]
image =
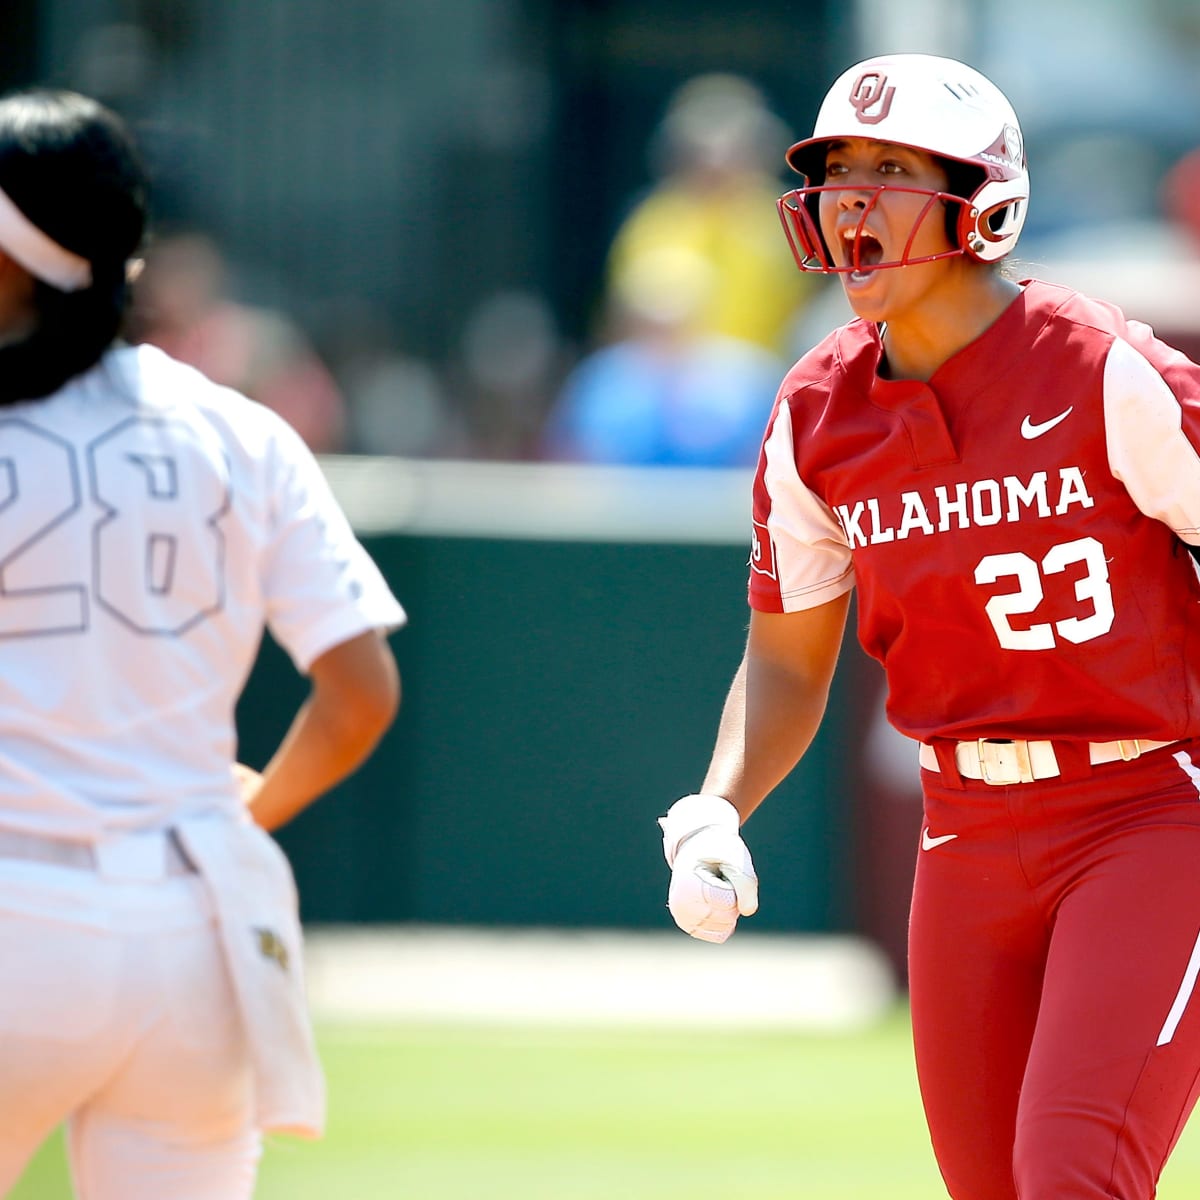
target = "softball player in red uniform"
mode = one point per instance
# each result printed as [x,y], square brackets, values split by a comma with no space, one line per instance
[1009,473]
[151,525]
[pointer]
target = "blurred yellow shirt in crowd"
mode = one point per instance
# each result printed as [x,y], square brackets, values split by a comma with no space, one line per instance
[757,290]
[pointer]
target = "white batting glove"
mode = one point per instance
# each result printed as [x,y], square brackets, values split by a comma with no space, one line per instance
[712,876]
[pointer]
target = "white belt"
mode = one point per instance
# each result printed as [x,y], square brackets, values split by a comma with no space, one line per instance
[141,856]
[1004,762]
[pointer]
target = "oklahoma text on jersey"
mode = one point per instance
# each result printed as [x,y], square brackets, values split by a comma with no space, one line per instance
[961,505]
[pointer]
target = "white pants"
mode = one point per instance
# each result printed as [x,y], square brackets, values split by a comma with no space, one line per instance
[117,1016]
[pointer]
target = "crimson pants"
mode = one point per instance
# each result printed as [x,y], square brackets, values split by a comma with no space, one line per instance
[1054,945]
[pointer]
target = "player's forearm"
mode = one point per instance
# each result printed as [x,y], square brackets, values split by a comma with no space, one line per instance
[322,747]
[764,731]
[355,695]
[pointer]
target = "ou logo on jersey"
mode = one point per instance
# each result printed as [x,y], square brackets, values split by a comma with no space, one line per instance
[762,552]
[870,91]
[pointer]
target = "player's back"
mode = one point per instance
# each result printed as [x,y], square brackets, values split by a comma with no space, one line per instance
[134,519]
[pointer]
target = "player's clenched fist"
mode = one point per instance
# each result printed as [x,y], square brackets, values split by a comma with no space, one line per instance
[712,876]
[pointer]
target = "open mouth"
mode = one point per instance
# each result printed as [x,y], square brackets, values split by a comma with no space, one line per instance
[863,252]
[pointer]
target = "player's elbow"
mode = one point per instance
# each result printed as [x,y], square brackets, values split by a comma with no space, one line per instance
[356,687]
[368,709]
[375,708]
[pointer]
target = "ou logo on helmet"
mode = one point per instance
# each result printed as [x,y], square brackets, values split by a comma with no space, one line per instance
[870,91]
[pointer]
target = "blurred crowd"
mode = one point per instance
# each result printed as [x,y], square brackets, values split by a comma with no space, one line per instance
[702,311]
[700,307]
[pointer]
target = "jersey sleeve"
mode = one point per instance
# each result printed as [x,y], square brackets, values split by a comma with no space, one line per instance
[321,585]
[1152,435]
[800,557]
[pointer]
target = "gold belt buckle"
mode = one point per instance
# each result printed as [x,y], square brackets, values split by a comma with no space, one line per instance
[1129,749]
[1004,762]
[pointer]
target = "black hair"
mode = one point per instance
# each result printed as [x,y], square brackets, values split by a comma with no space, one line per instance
[70,165]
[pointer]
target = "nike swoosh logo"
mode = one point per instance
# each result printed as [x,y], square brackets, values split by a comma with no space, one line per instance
[928,843]
[1029,430]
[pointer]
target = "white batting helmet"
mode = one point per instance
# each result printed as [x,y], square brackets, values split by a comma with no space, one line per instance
[926,103]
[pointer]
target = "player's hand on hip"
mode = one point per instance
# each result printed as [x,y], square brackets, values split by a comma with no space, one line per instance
[248,781]
[712,876]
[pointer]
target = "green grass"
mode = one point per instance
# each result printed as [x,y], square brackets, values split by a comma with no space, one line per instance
[510,1114]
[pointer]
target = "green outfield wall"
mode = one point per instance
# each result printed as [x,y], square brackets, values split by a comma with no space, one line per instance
[572,633]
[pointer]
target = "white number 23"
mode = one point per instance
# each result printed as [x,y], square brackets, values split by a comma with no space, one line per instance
[1092,588]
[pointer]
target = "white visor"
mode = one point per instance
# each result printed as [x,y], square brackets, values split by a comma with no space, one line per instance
[38,253]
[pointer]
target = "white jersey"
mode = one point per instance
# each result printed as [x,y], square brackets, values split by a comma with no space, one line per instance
[151,525]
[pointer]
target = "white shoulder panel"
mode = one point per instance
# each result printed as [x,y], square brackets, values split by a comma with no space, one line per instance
[811,552]
[1148,450]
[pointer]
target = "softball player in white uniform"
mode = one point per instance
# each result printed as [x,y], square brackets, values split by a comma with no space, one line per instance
[151,525]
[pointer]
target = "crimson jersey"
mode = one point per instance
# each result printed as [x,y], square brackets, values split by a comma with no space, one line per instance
[1014,527]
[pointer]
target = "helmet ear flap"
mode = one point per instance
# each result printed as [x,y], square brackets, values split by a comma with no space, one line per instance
[991,223]
[988,235]
[799,217]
